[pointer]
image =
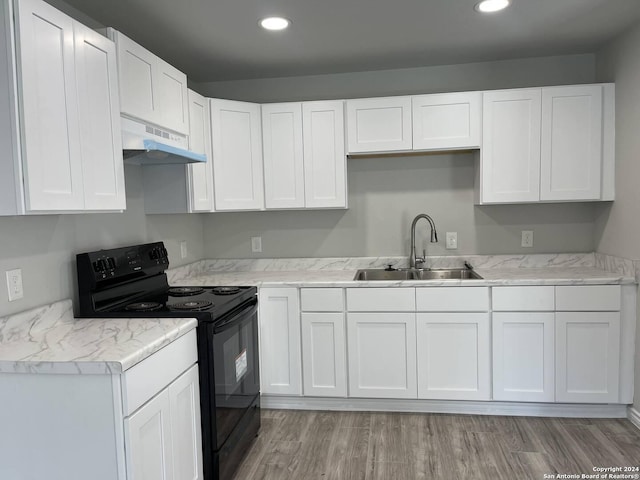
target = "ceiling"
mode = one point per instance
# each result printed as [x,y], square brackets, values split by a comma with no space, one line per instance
[213,40]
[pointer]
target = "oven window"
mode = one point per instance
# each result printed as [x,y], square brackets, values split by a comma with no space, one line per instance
[237,381]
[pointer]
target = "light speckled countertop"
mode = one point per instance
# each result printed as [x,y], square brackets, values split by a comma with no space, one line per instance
[49,340]
[344,278]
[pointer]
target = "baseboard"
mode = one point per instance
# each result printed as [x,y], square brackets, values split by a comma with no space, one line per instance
[452,407]
[634,416]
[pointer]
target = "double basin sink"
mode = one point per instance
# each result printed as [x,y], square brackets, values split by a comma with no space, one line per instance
[373,274]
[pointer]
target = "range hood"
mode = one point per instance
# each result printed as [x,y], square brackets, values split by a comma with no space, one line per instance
[145,144]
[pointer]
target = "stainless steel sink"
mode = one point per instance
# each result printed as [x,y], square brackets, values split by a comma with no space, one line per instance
[380,274]
[374,274]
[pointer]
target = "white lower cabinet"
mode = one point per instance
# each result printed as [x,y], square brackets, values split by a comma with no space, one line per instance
[324,354]
[382,355]
[587,357]
[523,356]
[453,356]
[280,358]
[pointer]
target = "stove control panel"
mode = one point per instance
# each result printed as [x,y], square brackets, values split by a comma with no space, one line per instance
[121,264]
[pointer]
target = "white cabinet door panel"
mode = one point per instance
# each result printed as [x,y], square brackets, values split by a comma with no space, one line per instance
[200,174]
[148,441]
[379,124]
[325,165]
[51,130]
[237,155]
[382,355]
[587,357]
[453,352]
[447,121]
[324,354]
[280,358]
[99,109]
[510,155]
[571,165]
[186,436]
[171,93]
[283,155]
[523,357]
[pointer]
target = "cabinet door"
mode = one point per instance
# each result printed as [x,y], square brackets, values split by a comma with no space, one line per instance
[283,155]
[523,357]
[510,155]
[587,357]
[379,124]
[571,165]
[200,174]
[170,86]
[453,356]
[99,109]
[148,441]
[280,360]
[186,434]
[324,157]
[323,354]
[446,121]
[382,355]
[237,155]
[136,66]
[51,130]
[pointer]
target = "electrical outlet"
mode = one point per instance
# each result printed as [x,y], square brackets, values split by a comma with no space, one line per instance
[256,244]
[452,240]
[527,238]
[14,284]
[183,249]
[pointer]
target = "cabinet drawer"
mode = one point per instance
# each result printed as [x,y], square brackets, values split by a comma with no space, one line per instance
[321,299]
[523,299]
[381,299]
[452,299]
[147,378]
[588,298]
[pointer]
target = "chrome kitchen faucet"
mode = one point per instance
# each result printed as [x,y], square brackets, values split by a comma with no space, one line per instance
[414,260]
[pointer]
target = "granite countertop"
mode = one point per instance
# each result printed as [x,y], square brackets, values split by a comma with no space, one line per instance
[50,340]
[344,278]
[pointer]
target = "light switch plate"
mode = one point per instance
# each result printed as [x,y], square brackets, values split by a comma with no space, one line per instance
[256,244]
[14,284]
[452,240]
[527,238]
[183,249]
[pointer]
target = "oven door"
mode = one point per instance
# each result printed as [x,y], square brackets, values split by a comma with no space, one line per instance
[235,368]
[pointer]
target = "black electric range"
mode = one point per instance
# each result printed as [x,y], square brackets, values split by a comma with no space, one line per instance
[131,282]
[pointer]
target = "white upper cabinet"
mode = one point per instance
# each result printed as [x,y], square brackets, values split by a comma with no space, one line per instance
[200,174]
[325,168]
[236,140]
[379,124]
[571,162]
[510,155]
[283,155]
[150,89]
[447,121]
[68,123]
[100,136]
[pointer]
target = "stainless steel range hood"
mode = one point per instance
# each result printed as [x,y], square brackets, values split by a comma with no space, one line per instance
[145,144]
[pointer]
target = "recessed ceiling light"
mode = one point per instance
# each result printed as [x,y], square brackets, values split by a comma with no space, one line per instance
[274,23]
[491,6]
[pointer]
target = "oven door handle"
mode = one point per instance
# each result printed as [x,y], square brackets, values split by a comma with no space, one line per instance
[237,318]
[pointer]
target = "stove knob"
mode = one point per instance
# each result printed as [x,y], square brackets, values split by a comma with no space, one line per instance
[96,267]
[111,262]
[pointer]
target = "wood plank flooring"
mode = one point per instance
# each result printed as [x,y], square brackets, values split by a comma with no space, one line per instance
[303,445]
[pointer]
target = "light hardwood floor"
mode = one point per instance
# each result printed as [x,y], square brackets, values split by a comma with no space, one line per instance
[302,445]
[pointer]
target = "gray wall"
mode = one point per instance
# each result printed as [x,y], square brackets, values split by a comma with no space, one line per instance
[527,72]
[384,196]
[618,225]
[386,193]
[44,247]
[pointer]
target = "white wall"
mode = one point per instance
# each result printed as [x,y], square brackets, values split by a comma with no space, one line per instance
[526,72]
[618,225]
[44,247]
